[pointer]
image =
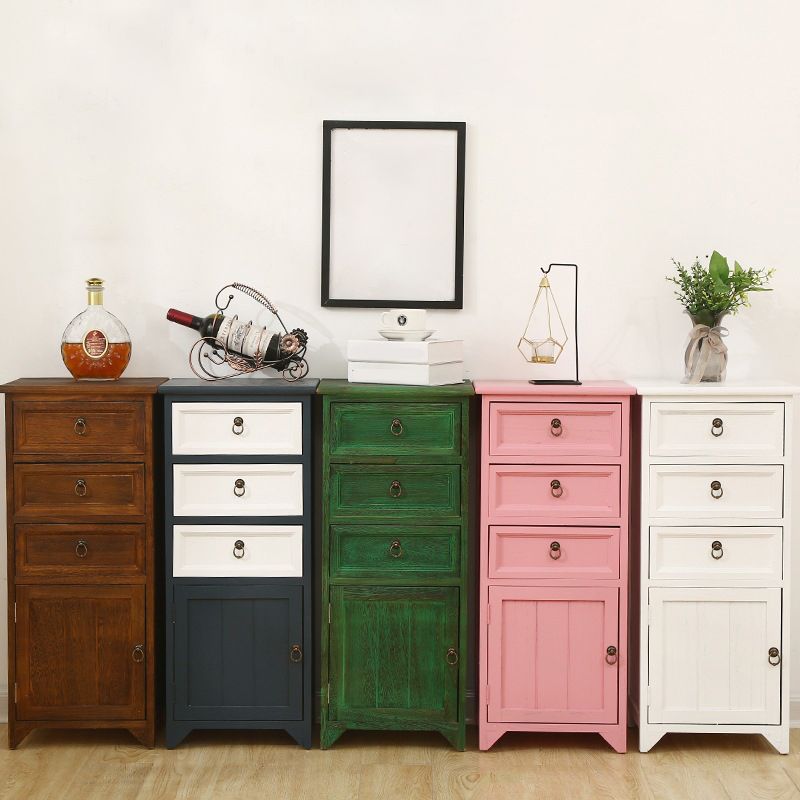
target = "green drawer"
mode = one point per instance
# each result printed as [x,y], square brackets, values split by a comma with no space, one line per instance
[395,429]
[366,490]
[385,552]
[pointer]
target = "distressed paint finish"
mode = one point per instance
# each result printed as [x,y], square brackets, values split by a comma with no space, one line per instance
[394,562]
[546,623]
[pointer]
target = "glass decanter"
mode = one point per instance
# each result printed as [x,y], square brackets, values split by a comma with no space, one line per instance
[96,345]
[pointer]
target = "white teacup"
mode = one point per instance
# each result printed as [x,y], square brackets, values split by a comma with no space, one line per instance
[412,319]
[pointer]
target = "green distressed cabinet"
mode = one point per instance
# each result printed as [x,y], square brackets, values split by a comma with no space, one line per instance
[394,558]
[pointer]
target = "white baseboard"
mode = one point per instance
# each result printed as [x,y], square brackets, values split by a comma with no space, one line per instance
[3,707]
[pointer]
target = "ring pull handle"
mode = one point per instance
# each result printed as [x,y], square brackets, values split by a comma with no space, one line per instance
[452,656]
[81,549]
[138,653]
[238,487]
[555,550]
[774,656]
[238,549]
[611,654]
[80,426]
[238,426]
[717,428]
[716,550]
[80,487]
[395,549]
[396,427]
[296,654]
[716,490]
[556,428]
[395,490]
[556,489]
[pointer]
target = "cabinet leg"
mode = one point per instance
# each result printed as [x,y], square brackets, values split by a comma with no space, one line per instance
[302,735]
[457,738]
[779,739]
[16,733]
[328,735]
[174,735]
[617,737]
[486,738]
[648,737]
[146,736]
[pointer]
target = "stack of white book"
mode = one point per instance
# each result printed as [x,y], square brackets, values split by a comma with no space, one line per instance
[431,363]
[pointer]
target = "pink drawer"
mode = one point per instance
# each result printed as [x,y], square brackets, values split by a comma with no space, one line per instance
[550,552]
[555,429]
[553,492]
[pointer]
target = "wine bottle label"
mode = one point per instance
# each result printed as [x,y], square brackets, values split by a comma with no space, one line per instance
[95,344]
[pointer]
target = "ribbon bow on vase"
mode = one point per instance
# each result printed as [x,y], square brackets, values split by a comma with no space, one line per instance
[706,355]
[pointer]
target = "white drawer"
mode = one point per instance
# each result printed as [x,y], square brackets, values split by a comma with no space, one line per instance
[210,490]
[210,551]
[717,430]
[718,553]
[237,428]
[745,492]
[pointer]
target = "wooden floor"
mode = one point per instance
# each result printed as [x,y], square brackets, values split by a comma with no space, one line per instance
[96,765]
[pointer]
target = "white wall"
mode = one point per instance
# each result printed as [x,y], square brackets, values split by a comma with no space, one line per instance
[170,147]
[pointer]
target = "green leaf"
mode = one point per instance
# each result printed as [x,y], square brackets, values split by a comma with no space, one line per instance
[737,267]
[718,268]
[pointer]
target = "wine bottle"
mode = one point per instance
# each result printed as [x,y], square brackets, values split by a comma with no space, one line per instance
[207,327]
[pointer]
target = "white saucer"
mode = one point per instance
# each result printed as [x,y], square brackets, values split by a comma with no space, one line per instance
[400,335]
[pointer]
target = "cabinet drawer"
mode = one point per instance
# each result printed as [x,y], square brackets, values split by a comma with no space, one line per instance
[553,492]
[548,552]
[395,491]
[231,551]
[238,490]
[56,551]
[79,490]
[717,430]
[719,491]
[555,429]
[395,429]
[237,428]
[76,427]
[394,551]
[716,553]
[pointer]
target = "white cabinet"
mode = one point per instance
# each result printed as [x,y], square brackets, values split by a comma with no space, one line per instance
[714,537]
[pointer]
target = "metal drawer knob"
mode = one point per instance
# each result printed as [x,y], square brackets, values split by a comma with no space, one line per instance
[395,549]
[717,428]
[81,549]
[80,426]
[80,487]
[774,656]
[611,654]
[555,550]
[452,656]
[395,490]
[556,429]
[296,654]
[138,653]
[716,490]
[238,487]
[238,549]
[396,427]
[716,550]
[238,426]
[556,489]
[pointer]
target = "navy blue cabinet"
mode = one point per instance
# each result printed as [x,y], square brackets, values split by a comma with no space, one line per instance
[238,497]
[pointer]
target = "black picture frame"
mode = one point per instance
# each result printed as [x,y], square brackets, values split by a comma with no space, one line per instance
[328,127]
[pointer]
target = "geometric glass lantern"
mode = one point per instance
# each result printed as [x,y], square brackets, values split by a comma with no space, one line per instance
[545,336]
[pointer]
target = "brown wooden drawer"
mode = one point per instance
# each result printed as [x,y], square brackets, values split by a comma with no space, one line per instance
[78,490]
[79,550]
[78,426]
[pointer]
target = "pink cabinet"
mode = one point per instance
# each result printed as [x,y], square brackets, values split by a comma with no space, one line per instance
[554,559]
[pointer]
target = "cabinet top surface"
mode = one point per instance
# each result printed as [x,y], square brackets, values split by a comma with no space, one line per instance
[71,386]
[668,388]
[245,384]
[366,391]
[586,389]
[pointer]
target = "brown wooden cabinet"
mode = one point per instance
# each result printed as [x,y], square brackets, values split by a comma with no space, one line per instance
[81,555]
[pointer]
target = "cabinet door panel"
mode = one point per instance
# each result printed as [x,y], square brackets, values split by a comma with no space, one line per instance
[389,653]
[75,652]
[232,652]
[547,654]
[708,657]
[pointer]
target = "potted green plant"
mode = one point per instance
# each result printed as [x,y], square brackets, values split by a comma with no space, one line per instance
[707,294]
